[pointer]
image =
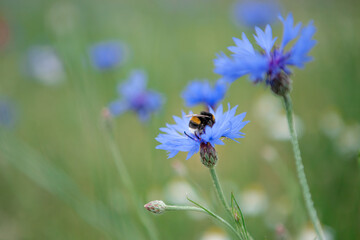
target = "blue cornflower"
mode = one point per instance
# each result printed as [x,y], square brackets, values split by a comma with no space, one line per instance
[255,13]
[272,64]
[201,92]
[136,97]
[107,55]
[178,137]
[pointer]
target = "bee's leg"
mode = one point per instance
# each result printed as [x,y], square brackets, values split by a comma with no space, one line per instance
[189,136]
[197,136]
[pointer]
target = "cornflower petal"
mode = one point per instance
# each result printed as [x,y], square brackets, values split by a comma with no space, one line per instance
[201,92]
[299,52]
[289,32]
[264,39]
[118,107]
[243,47]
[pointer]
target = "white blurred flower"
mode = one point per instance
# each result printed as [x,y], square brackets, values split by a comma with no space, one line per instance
[349,140]
[253,201]
[279,129]
[214,234]
[176,192]
[346,138]
[62,17]
[179,168]
[308,233]
[44,65]
[269,109]
[331,124]
[269,153]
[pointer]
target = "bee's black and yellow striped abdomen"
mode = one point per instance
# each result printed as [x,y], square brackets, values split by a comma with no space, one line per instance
[198,123]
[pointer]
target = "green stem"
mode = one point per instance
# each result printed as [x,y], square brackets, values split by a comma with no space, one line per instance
[126,180]
[219,191]
[210,213]
[183,208]
[300,169]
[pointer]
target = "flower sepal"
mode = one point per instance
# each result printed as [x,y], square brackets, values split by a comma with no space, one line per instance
[281,84]
[208,155]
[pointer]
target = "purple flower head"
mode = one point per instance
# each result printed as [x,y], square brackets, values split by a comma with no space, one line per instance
[201,92]
[136,97]
[272,63]
[255,13]
[107,55]
[178,138]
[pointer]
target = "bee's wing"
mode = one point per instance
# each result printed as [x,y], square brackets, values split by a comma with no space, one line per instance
[196,115]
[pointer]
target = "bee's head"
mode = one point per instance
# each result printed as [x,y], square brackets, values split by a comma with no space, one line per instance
[210,116]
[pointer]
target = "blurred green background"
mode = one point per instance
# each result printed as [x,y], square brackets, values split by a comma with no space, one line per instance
[58,179]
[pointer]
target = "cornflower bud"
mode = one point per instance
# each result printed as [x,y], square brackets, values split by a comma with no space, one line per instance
[281,84]
[156,206]
[208,155]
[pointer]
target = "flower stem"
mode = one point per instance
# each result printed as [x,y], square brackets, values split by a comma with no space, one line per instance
[219,191]
[197,209]
[183,208]
[128,184]
[300,169]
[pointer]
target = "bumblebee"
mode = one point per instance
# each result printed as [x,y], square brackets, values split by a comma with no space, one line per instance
[198,122]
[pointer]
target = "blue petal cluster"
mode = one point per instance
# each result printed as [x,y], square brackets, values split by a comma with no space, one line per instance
[227,125]
[136,97]
[201,92]
[268,64]
[107,55]
[255,13]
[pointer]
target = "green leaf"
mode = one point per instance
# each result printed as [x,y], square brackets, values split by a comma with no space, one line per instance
[237,212]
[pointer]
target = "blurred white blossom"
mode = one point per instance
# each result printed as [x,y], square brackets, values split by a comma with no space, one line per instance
[253,200]
[345,137]
[179,168]
[214,234]
[269,153]
[44,65]
[308,233]
[273,118]
[62,17]
[349,140]
[176,192]
[331,124]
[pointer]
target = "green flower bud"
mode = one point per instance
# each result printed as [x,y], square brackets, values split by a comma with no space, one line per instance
[208,155]
[281,85]
[156,206]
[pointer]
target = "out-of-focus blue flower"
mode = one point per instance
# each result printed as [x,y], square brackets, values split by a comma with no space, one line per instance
[8,113]
[107,55]
[44,65]
[136,97]
[177,137]
[201,92]
[255,13]
[270,63]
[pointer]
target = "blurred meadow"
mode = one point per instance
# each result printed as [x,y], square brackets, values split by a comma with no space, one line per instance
[59,175]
